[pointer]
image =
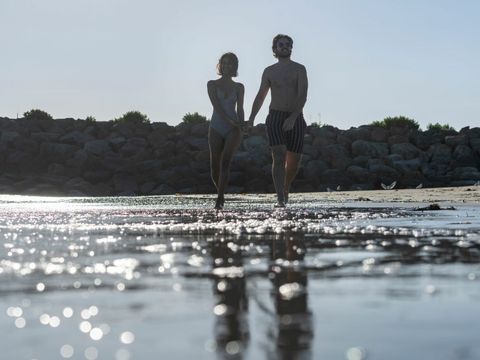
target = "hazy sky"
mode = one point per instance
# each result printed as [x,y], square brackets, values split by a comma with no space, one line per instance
[365,59]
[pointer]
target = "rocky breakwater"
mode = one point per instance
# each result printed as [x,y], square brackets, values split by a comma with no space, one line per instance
[79,157]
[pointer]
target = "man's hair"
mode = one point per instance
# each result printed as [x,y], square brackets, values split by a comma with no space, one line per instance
[275,41]
[234,58]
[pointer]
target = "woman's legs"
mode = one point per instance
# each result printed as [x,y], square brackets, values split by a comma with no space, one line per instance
[216,144]
[232,140]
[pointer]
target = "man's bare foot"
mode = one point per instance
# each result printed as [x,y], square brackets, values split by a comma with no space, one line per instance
[280,204]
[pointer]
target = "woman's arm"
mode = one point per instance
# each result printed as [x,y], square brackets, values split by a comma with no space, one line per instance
[216,105]
[240,97]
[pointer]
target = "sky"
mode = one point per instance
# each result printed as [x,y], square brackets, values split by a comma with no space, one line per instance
[365,59]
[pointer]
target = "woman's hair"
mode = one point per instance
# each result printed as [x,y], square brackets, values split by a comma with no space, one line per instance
[275,41]
[234,58]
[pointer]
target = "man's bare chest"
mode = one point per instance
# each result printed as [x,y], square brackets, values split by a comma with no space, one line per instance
[284,78]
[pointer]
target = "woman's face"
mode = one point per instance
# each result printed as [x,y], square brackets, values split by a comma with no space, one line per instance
[227,66]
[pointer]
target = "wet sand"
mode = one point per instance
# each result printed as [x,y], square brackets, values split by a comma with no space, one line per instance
[339,275]
[464,194]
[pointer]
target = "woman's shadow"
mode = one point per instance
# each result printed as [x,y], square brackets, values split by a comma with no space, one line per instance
[231,302]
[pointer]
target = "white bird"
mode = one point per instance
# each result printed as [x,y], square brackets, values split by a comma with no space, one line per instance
[339,188]
[419,186]
[477,183]
[388,187]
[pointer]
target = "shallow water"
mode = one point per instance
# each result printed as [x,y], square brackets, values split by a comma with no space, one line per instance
[167,277]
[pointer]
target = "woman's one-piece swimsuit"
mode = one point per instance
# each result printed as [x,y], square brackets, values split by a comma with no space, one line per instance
[228,104]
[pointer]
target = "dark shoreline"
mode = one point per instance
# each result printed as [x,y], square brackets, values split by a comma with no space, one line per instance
[68,157]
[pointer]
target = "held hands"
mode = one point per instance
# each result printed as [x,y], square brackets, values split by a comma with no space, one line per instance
[246,126]
[289,123]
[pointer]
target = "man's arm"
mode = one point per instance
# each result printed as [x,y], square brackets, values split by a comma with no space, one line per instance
[300,100]
[260,98]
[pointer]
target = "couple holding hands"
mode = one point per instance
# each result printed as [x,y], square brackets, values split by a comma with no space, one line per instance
[287,81]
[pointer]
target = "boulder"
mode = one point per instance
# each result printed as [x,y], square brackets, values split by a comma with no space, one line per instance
[97,147]
[336,155]
[358,174]
[314,169]
[455,140]
[406,150]
[76,138]
[378,134]
[439,153]
[407,166]
[133,146]
[370,149]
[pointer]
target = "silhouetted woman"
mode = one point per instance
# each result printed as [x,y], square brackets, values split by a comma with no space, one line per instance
[224,134]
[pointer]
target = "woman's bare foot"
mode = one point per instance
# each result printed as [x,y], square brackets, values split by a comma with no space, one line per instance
[219,203]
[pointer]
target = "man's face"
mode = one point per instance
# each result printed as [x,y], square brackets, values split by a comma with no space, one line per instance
[284,48]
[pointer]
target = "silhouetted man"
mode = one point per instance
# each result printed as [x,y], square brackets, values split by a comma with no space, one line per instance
[285,124]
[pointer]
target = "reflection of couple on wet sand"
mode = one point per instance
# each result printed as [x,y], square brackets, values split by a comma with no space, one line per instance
[288,83]
[291,327]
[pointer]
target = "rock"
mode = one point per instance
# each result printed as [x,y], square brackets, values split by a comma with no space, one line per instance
[334,178]
[97,147]
[398,139]
[116,142]
[336,155]
[361,160]
[200,130]
[466,173]
[147,188]
[197,143]
[163,189]
[125,184]
[133,146]
[97,176]
[360,133]
[475,145]
[78,184]
[45,136]
[78,160]
[204,156]
[56,152]
[455,140]
[76,138]
[463,156]
[311,150]
[378,134]
[384,173]
[314,169]
[406,150]
[149,166]
[255,143]
[424,140]
[370,149]
[358,174]
[407,166]
[412,179]
[439,153]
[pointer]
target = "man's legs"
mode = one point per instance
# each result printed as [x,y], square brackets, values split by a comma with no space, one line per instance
[291,169]
[278,172]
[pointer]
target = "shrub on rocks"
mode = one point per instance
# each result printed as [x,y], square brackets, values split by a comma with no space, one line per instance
[132,118]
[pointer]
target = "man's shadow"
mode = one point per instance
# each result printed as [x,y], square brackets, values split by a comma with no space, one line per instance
[293,329]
